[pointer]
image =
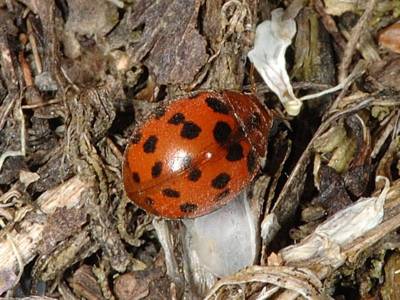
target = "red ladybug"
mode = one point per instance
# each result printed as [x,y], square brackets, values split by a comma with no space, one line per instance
[196,153]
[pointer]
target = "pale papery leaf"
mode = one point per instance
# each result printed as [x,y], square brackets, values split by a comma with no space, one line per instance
[268,56]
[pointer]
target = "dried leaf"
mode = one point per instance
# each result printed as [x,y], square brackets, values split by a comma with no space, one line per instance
[342,228]
[174,49]
[95,17]
[149,284]
[333,196]
[268,56]
[84,283]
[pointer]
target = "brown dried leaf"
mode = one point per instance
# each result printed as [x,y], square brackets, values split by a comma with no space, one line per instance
[174,49]
[333,196]
[150,284]
[95,17]
[386,72]
[85,284]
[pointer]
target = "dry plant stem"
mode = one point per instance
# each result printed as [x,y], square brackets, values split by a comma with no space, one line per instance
[29,298]
[300,280]
[353,250]
[5,109]
[19,115]
[396,130]
[7,196]
[114,149]
[25,69]
[37,105]
[29,233]
[298,171]
[292,11]
[354,38]
[7,62]
[35,51]
[358,70]
[329,24]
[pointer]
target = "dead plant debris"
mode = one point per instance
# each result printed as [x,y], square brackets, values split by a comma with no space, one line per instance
[323,217]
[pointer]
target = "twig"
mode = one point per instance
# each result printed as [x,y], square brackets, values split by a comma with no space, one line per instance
[358,70]
[293,10]
[41,104]
[354,39]
[5,109]
[17,254]
[26,71]
[35,51]
[300,280]
[29,232]
[329,24]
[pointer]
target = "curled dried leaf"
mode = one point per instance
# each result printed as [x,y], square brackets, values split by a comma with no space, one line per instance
[340,229]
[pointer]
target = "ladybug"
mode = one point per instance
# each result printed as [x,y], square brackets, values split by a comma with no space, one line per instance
[196,154]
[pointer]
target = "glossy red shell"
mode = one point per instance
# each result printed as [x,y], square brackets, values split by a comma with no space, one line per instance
[196,154]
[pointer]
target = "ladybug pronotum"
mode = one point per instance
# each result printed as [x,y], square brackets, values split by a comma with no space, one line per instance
[196,153]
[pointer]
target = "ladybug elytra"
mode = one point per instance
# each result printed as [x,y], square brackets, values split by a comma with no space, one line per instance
[196,154]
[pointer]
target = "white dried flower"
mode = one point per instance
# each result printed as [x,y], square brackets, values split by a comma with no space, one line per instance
[268,56]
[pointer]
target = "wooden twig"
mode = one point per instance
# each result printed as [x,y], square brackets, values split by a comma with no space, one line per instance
[35,51]
[29,234]
[354,39]
[329,24]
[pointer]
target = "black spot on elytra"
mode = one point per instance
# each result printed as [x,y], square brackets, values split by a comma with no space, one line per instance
[221,132]
[149,145]
[159,112]
[188,207]
[135,139]
[177,119]
[222,195]
[194,174]
[156,169]
[149,201]
[220,181]
[217,105]
[254,121]
[136,177]
[190,130]
[235,152]
[171,193]
[251,161]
